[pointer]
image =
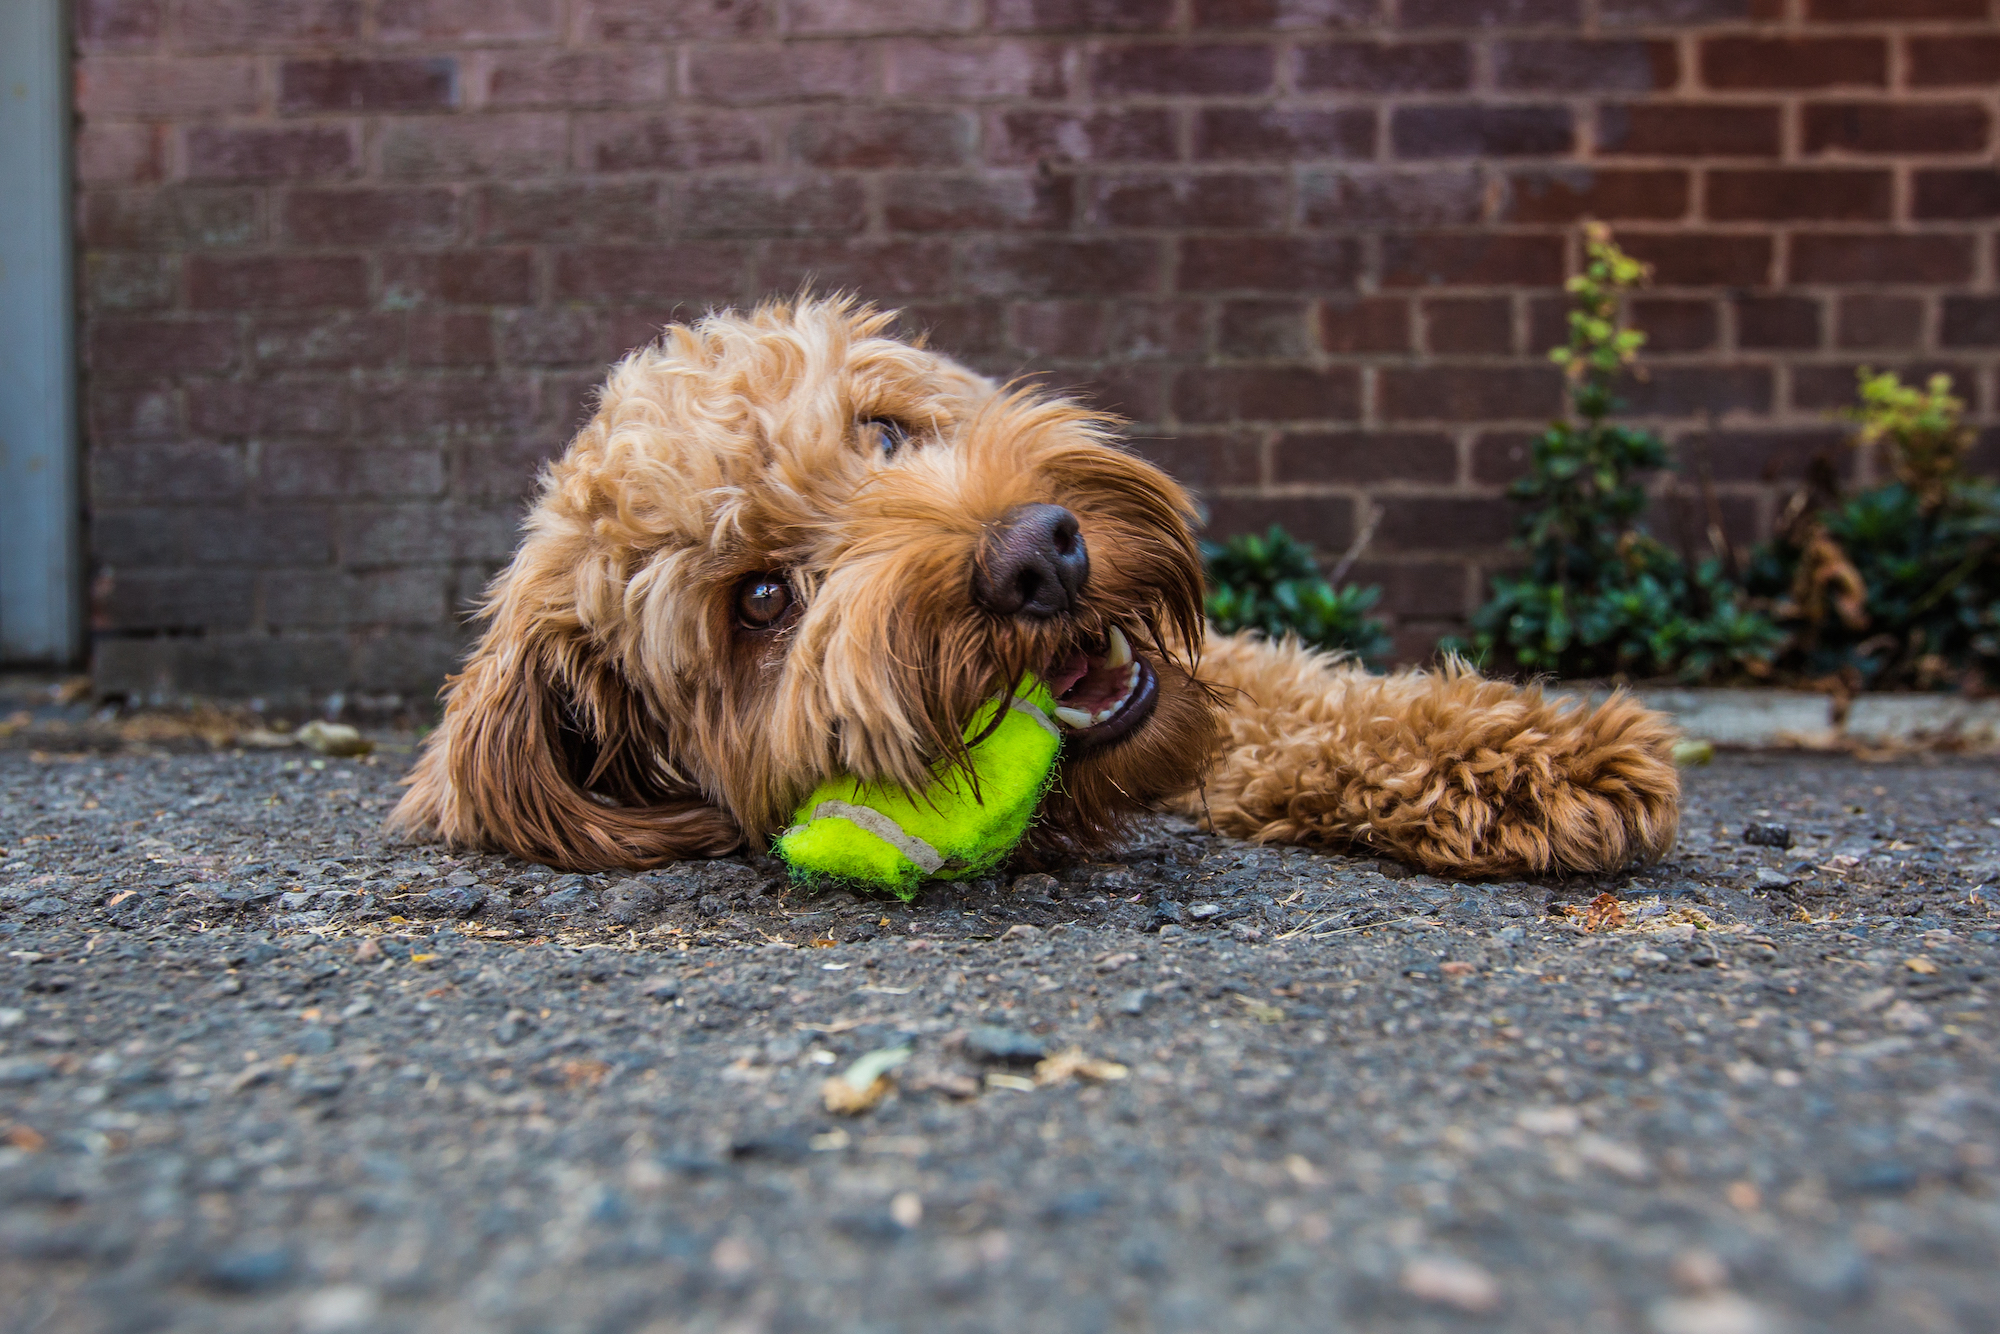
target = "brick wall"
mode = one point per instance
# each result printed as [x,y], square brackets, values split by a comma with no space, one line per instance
[351,266]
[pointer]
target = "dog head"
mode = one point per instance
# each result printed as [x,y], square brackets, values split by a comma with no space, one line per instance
[788,545]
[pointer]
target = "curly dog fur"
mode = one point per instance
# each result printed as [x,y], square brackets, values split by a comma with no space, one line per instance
[620,710]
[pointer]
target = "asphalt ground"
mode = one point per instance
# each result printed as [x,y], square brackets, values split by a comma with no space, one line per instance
[261,1069]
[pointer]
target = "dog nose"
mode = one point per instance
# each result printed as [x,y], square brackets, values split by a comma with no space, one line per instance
[1033,563]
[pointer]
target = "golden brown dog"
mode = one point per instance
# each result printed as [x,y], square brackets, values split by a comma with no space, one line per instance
[788,545]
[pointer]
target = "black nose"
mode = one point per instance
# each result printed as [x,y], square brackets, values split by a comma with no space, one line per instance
[1033,563]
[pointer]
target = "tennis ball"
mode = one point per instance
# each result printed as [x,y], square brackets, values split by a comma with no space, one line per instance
[880,836]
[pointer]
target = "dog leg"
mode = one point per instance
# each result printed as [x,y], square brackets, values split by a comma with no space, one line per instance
[1456,773]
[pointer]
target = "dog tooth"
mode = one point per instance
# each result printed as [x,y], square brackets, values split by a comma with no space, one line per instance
[1118,653]
[1076,718]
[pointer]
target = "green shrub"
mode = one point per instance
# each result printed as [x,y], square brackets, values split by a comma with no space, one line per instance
[1600,596]
[1898,585]
[1273,584]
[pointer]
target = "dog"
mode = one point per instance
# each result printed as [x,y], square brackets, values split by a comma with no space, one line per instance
[789,545]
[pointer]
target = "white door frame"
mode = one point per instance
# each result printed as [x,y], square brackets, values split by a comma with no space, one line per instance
[41,584]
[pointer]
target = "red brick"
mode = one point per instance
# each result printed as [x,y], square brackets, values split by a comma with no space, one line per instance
[875,269]
[883,137]
[212,535]
[1361,457]
[336,342]
[1971,321]
[788,72]
[1326,522]
[1265,330]
[1137,135]
[502,145]
[673,141]
[119,154]
[1416,587]
[1675,325]
[1367,324]
[1548,321]
[1286,15]
[1469,325]
[1488,13]
[576,78]
[1910,127]
[1794,62]
[962,71]
[1393,198]
[1036,267]
[1957,196]
[469,20]
[1881,258]
[771,206]
[1499,457]
[1385,67]
[1441,524]
[289,405]
[571,211]
[1089,16]
[1695,259]
[450,338]
[218,282]
[1226,200]
[957,328]
[436,405]
[1130,393]
[992,202]
[1666,129]
[1769,455]
[689,271]
[1568,195]
[1067,330]
[459,277]
[175,600]
[1469,393]
[246,25]
[1899,11]
[1865,321]
[1267,393]
[1476,259]
[367,217]
[183,471]
[1233,459]
[368,85]
[130,282]
[1268,263]
[132,413]
[1155,330]
[621,22]
[1475,130]
[1291,136]
[176,218]
[1575,65]
[144,88]
[215,153]
[105,24]
[1962,60]
[1175,70]
[823,17]
[1785,195]
[561,336]
[1771,322]
[1686,391]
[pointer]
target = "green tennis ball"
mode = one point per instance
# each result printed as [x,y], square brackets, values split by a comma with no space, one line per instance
[878,835]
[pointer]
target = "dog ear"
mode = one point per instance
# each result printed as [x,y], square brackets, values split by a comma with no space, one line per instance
[545,754]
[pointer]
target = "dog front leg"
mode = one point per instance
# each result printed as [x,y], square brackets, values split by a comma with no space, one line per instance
[1453,772]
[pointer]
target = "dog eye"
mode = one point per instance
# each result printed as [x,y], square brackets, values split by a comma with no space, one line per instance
[763,600]
[891,435]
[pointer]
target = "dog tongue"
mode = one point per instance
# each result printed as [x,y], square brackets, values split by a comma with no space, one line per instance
[1068,672]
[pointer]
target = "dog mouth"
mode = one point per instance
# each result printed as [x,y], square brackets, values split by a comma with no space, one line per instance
[1102,696]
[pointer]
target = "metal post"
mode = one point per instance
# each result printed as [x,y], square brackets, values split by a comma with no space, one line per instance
[40,552]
